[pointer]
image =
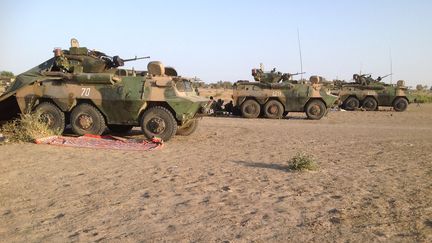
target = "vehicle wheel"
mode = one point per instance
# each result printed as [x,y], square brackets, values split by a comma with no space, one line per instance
[315,109]
[51,115]
[188,128]
[273,109]
[370,104]
[157,121]
[351,103]
[250,109]
[86,119]
[400,104]
[120,128]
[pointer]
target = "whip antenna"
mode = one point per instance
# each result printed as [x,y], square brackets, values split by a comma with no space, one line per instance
[301,61]
[391,67]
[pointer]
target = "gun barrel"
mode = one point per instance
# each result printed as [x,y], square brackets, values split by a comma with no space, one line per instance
[298,73]
[135,58]
[385,76]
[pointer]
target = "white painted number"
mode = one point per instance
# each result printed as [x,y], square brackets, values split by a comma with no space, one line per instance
[277,93]
[85,91]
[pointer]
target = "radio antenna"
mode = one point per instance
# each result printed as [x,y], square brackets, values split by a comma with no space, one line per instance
[301,60]
[391,66]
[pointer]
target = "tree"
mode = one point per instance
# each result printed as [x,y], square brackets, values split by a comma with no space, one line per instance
[227,85]
[7,74]
[419,87]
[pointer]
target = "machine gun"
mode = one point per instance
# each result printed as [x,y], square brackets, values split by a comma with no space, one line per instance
[118,62]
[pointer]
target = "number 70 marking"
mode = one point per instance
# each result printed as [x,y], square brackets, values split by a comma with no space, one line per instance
[85,91]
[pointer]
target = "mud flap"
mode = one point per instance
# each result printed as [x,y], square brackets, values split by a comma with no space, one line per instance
[9,109]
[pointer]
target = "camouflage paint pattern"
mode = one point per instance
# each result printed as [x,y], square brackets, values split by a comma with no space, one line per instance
[383,94]
[121,102]
[293,95]
[120,95]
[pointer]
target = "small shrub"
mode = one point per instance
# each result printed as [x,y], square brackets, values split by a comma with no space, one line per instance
[302,162]
[27,128]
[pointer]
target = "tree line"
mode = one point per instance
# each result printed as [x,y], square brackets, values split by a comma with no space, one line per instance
[7,74]
[218,85]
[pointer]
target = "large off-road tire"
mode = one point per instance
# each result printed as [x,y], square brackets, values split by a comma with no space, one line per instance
[400,104]
[273,109]
[51,115]
[370,104]
[315,109]
[188,128]
[351,103]
[158,122]
[250,109]
[120,128]
[87,119]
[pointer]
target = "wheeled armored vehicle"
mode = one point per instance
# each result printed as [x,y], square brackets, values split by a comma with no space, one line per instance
[274,94]
[88,90]
[369,94]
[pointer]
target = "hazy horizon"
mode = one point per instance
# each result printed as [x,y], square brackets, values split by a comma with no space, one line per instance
[224,40]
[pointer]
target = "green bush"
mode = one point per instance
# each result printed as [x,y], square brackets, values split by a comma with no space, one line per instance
[422,96]
[302,162]
[27,128]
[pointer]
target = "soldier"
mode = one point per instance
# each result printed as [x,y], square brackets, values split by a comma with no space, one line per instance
[213,103]
[363,80]
[229,107]
[286,77]
[61,62]
[369,80]
[219,104]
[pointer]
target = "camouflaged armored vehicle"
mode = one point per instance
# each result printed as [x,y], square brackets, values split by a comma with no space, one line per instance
[274,94]
[369,93]
[89,91]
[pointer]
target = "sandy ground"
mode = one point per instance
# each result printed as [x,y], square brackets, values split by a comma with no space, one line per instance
[229,182]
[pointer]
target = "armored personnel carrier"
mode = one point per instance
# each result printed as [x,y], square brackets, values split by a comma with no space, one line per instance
[274,94]
[89,91]
[370,93]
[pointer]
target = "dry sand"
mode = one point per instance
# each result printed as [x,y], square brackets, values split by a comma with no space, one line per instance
[228,182]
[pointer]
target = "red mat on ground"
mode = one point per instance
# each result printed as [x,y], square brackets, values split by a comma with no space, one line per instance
[102,142]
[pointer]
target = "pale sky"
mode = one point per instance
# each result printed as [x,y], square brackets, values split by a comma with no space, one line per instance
[224,40]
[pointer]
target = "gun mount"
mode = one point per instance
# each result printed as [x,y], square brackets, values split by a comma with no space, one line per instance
[366,79]
[273,76]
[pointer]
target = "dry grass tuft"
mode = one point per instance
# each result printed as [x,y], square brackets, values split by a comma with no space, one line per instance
[27,128]
[302,162]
